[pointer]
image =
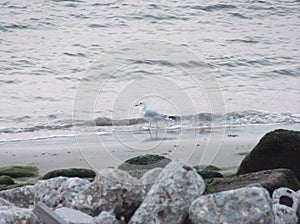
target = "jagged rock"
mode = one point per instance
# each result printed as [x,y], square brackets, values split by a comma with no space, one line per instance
[277,149]
[22,197]
[72,216]
[138,166]
[285,205]
[59,191]
[269,179]
[111,189]
[4,202]
[298,207]
[13,215]
[149,178]
[107,218]
[71,172]
[169,198]
[244,205]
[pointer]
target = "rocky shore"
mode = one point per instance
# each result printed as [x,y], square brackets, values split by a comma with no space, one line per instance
[155,189]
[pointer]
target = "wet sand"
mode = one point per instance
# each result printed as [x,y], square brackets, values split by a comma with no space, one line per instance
[216,146]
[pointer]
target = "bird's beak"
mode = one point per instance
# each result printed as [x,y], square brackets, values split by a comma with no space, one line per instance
[136,105]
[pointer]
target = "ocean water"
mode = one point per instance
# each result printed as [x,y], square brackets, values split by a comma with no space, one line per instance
[65,63]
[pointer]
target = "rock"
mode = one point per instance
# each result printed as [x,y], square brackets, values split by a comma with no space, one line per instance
[270,179]
[107,218]
[137,166]
[285,205]
[111,189]
[244,205]
[277,149]
[6,180]
[4,202]
[72,172]
[208,171]
[21,197]
[59,191]
[298,207]
[73,216]
[19,171]
[169,198]
[14,215]
[149,178]
[207,174]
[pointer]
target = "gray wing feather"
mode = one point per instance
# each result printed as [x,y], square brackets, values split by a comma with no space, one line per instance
[153,114]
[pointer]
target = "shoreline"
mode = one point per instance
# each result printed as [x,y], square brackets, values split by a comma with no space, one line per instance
[195,147]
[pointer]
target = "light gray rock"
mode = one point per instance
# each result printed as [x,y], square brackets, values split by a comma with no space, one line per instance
[149,178]
[4,202]
[169,198]
[22,197]
[111,189]
[298,207]
[12,215]
[72,216]
[285,205]
[59,191]
[107,218]
[244,205]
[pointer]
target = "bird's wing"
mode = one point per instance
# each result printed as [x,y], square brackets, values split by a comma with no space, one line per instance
[152,113]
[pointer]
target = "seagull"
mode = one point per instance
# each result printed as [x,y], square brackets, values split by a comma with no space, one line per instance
[151,115]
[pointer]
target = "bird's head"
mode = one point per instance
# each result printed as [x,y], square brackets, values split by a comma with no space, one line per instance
[142,103]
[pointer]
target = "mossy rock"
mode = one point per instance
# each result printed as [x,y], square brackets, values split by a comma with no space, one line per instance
[19,171]
[72,172]
[145,162]
[277,149]
[6,180]
[207,167]
[206,174]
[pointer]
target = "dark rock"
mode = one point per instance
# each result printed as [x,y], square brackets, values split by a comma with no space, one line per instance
[269,179]
[72,172]
[139,165]
[277,149]
[19,171]
[6,180]
[208,171]
[206,174]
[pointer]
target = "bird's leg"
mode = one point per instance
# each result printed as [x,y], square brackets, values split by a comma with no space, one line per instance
[149,128]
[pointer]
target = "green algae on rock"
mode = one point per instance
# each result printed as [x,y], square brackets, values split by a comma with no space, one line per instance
[19,171]
[71,172]
[6,180]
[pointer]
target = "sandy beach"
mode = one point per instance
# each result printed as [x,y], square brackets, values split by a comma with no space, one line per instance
[217,146]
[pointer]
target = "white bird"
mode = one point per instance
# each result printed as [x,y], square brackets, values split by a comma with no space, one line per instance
[151,115]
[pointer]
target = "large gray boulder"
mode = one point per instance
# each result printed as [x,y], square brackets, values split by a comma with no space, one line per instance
[13,215]
[22,197]
[58,191]
[244,205]
[277,149]
[169,198]
[112,189]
